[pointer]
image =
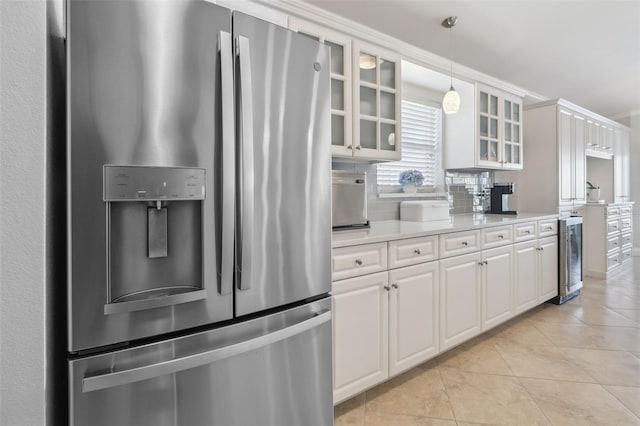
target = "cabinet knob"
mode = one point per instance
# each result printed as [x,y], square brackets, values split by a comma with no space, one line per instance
[358,147]
[527,231]
[349,146]
[549,228]
[386,287]
[417,251]
[394,285]
[464,243]
[541,248]
[501,236]
[480,263]
[358,262]
[486,262]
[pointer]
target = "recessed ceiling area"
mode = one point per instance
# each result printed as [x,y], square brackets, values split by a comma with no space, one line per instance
[587,52]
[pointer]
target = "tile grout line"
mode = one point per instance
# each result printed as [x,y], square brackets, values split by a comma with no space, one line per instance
[619,400]
[533,400]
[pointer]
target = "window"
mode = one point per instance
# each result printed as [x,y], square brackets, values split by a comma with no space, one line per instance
[421,140]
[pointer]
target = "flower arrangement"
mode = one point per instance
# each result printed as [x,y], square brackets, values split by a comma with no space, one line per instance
[411,176]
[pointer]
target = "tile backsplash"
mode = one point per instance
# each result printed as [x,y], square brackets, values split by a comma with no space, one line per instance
[468,191]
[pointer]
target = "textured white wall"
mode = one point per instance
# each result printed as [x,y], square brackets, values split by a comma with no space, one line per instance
[22,212]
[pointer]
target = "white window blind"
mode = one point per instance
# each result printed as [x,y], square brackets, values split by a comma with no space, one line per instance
[421,135]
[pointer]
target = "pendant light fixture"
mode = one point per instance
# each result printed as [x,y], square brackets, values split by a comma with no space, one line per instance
[451,101]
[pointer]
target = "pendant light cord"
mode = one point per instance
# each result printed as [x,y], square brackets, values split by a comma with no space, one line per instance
[451,54]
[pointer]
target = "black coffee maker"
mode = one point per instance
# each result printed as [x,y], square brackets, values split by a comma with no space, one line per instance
[503,200]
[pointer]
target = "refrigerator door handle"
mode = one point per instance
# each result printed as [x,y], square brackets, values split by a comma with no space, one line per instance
[125,377]
[245,219]
[225,48]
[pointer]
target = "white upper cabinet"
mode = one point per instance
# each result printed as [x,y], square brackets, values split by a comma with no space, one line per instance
[377,100]
[341,89]
[621,168]
[499,140]
[496,142]
[365,95]
[571,157]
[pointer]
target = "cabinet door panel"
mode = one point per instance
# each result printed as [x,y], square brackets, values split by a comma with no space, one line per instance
[548,268]
[497,286]
[526,294]
[360,334]
[413,316]
[459,299]
[565,147]
[579,165]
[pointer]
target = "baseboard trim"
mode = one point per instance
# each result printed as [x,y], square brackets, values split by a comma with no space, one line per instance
[596,274]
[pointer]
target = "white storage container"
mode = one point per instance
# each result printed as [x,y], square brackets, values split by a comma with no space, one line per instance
[423,211]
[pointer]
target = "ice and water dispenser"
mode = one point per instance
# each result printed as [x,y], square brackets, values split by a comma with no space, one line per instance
[154,236]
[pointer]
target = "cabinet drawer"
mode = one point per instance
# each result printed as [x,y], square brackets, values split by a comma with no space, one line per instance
[613,260]
[358,260]
[613,226]
[613,243]
[459,243]
[495,237]
[412,251]
[625,223]
[626,239]
[626,211]
[526,231]
[547,227]
[626,255]
[613,211]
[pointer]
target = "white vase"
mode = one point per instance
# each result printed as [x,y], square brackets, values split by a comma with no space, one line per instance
[410,188]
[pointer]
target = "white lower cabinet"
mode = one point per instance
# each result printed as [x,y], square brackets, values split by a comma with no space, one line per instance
[525,268]
[460,289]
[547,268]
[409,307]
[497,286]
[360,334]
[536,272]
[413,316]
[383,324]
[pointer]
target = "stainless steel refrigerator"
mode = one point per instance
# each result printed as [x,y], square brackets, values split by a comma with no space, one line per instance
[199,218]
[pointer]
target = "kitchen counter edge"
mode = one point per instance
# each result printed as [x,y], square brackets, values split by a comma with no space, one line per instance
[390,230]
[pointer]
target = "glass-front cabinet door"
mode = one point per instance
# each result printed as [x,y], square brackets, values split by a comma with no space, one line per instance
[489,142]
[512,138]
[377,97]
[499,131]
[341,77]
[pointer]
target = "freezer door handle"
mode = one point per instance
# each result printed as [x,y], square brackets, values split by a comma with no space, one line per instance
[125,377]
[246,170]
[228,163]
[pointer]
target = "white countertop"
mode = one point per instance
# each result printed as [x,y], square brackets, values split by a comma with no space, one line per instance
[388,230]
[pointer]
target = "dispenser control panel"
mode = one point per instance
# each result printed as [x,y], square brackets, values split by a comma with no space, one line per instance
[138,183]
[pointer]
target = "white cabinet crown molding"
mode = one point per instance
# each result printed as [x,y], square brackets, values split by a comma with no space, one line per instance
[578,109]
[408,51]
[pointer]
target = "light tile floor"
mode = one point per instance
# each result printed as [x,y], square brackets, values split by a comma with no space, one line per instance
[573,364]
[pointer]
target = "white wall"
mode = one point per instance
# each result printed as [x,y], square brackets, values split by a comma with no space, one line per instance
[22,212]
[634,165]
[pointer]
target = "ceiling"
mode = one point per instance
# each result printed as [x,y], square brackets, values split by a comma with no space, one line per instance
[587,52]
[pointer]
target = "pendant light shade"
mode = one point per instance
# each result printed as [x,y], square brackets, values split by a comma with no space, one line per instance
[451,101]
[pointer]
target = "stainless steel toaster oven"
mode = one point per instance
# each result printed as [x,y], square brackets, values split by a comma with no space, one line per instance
[349,200]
